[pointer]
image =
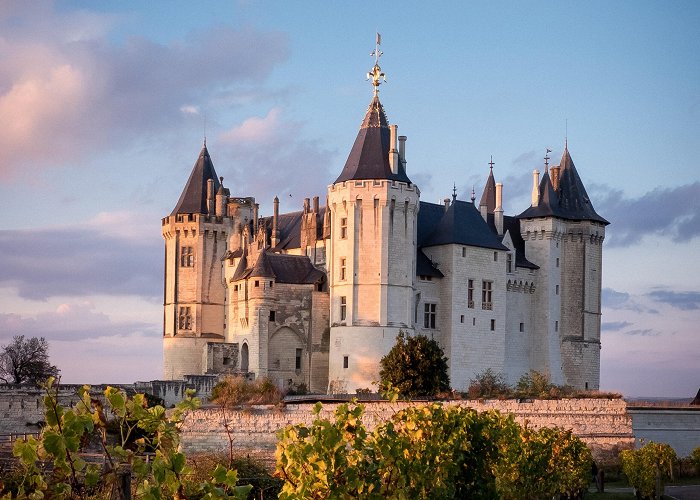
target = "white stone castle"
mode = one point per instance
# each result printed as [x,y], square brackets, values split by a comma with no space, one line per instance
[317,297]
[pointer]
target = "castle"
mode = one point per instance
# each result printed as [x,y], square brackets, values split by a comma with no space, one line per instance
[318,296]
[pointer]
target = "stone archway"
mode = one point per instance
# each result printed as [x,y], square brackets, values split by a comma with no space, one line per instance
[244,358]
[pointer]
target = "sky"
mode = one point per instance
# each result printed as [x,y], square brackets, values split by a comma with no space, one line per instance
[105,106]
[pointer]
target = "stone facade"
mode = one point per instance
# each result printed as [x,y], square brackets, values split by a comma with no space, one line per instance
[316,298]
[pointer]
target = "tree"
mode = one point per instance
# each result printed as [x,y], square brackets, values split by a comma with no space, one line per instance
[416,366]
[26,361]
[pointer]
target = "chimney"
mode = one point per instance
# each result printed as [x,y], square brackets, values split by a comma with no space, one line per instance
[255,218]
[306,205]
[393,153]
[221,200]
[402,151]
[535,187]
[275,216]
[211,197]
[447,204]
[315,205]
[484,211]
[555,177]
[498,212]
[327,220]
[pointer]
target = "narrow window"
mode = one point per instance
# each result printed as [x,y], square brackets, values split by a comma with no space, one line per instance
[345,361]
[343,307]
[257,284]
[461,318]
[297,363]
[186,257]
[185,318]
[557,261]
[586,385]
[473,321]
[486,295]
[343,228]
[495,256]
[509,263]
[271,282]
[470,294]
[493,325]
[429,315]
[464,251]
[343,268]
[556,326]
[272,315]
[522,327]
[556,289]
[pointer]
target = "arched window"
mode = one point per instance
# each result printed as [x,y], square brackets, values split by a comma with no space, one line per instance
[244,358]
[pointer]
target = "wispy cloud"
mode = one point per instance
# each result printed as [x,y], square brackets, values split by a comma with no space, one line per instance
[646,332]
[614,326]
[613,299]
[686,301]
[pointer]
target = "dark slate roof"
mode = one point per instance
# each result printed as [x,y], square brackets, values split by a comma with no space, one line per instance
[294,269]
[193,199]
[512,225]
[461,224]
[369,156]
[489,196]
[424,266]
[569,202]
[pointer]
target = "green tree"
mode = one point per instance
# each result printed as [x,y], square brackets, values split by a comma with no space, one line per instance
[416,366]
[648,467]
[26,361]
[488,384]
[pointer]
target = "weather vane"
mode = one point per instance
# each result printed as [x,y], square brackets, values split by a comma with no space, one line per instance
[491,162]
[546,158]
[376,75]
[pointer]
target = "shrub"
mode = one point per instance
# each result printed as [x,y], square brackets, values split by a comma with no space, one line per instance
[489,384]
[416,366]
[642,466]
[236,391]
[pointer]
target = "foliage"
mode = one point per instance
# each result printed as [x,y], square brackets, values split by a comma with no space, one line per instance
[645,465]
[235,391]
[66,430]
[489,384]
[26,361]
[250,471]
[430,451]
[695,459]
[416,365]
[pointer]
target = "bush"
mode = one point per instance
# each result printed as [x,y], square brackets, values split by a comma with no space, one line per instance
[642,466]
[250,471]
[489,384]
[695,459]
[416,366]
[237,391]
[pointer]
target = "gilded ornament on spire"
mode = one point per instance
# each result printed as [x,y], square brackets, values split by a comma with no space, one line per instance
[376,74]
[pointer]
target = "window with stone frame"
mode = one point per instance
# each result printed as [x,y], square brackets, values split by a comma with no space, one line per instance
[186,257]
[486,295]
[509,262]
[297,359]
[429,315]
[470,294]
[343,307]
[343,228]
[343,269]
[185,318]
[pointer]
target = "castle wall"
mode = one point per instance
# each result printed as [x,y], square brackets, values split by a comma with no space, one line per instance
[520,309]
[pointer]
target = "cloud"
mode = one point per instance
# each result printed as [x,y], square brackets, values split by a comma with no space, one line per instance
[686,301]
[100,257]
[271,158]
[68,89]
[612,299]
[614,326]
[671,212]
[647,332]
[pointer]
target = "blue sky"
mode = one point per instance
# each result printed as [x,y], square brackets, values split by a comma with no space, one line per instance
[105,106]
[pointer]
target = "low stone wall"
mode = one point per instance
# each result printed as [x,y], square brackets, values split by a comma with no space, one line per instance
[603,424]
[678,427]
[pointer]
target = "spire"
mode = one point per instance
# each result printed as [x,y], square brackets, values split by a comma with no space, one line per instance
[193,199]
[376,74]
[454,192]
[488,198]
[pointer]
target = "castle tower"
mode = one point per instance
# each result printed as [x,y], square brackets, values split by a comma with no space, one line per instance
[564,236]
[373,209]
[195,236]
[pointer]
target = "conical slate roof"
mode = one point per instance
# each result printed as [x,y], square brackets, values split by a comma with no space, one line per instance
[193,199]
[570,201]
[369,156]
[489,196]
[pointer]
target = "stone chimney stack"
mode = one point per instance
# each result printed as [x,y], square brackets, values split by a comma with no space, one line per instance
[327,221]
[555,177]
[307,204]
[402,151]
[393,152]
[535,187]
[315,204]
[447,204]
[498,212]
[221,200]
[256,207]
[275,216]
[211,197]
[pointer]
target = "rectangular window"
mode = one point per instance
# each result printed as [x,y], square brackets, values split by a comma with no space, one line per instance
[271,282]
[556,289]
[495,256]
[493,325]
[429,314]
[557,261]
[345,362]
[186,257]
[461,318]
[257,284]
[343,307]
[470,294]
[272,315]
[522,327]
[509,263]
[185,318]
[464,251]
[343,268]
[486,295]
[297,363]
[343,228]
[473,321]
[556,326]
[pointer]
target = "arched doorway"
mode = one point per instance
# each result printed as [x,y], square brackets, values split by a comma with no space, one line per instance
[244,358]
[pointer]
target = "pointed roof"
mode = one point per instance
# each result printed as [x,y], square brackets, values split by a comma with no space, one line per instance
[369,156]
[193,199]
[569,202]
[489,196]
[283,268]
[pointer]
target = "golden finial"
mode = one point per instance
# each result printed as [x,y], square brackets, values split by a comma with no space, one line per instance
[376,75]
